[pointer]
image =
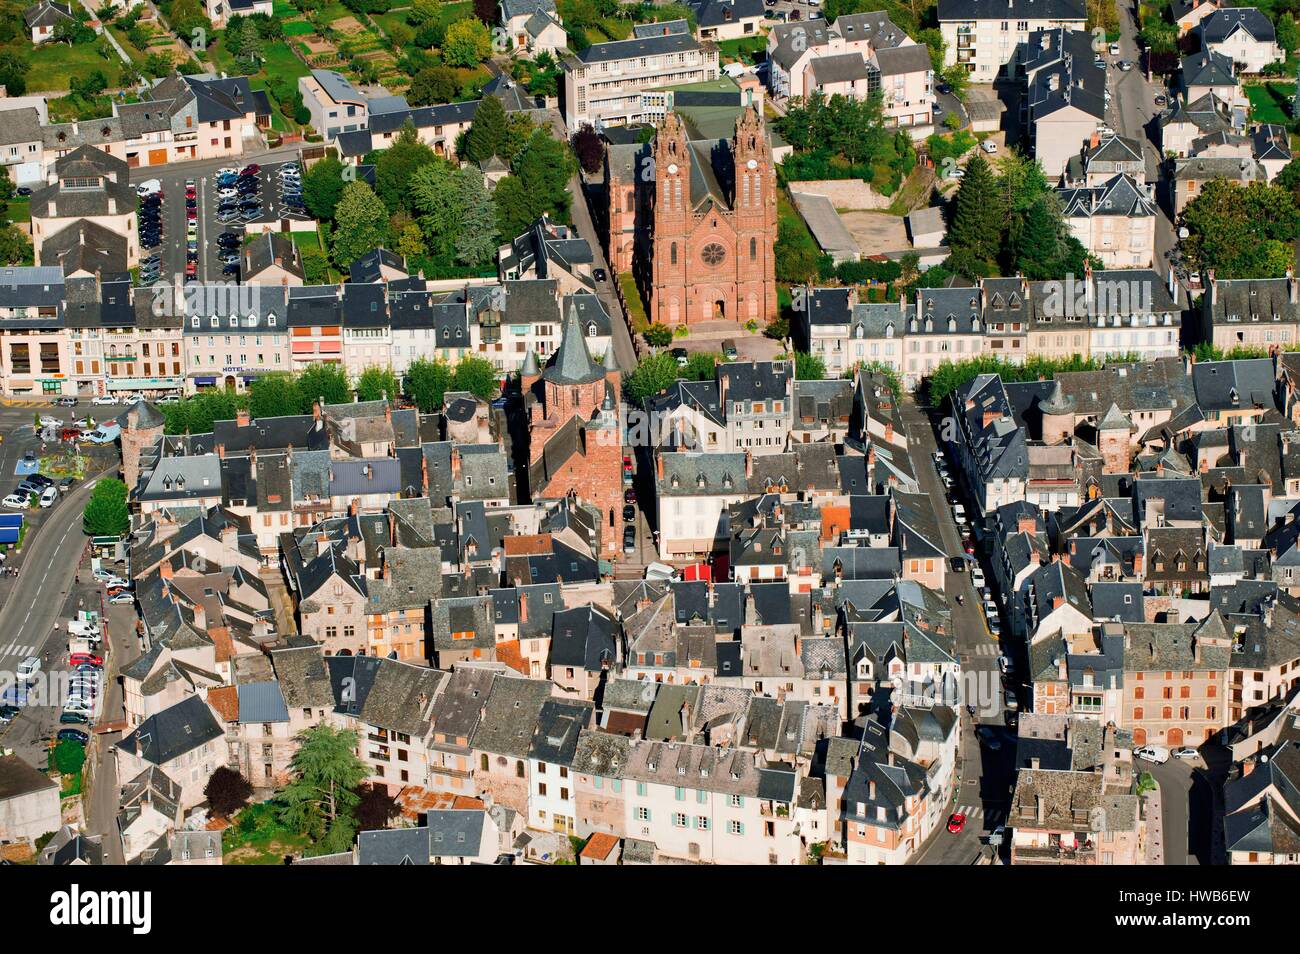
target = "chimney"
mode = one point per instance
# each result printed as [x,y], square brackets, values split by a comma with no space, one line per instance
[1058,601]
[221,451]
[1025,523]
[686,720]
[1033,763]
[354,507]
[316,408]
[455,463]
[1039,813]
[243,418]
[1094,140]
[659,465]
[523,609]
[871,790]
[749,464]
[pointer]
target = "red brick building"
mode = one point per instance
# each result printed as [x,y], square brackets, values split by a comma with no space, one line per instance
[574,443]
[705,232]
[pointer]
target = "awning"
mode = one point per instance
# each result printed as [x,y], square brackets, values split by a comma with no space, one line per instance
[202,381]
[131,384]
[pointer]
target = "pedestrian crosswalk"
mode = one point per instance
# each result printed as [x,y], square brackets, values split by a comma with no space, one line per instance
[986,649]
[992,817]
[13,649]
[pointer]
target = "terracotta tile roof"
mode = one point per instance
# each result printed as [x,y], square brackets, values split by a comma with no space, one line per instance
[509,654]
[599,846]
[522,545]
[468,801]
[222,643]
[225,699]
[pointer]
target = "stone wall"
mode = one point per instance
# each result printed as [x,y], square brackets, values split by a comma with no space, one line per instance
[844,193]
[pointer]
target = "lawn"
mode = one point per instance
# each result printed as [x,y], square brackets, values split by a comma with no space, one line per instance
[749,49]
[635,307]
[54,64]
[258,838]
[298,28]
[20,209]
[386,21]
[1271,102]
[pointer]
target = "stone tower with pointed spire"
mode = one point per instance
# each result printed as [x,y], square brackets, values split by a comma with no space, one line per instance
[574,443]
[1058,415]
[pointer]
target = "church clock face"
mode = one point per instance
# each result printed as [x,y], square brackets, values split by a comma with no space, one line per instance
[713,254]
[752,164]
[672,169]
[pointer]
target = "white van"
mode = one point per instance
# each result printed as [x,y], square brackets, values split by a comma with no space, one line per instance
[49,495]
[1152,753]
[77,627]
[28,668]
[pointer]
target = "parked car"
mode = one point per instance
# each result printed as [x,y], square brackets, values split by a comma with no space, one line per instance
[8,713]
[1186,753]
[121,598]
[16,501]
[598,274]
[79,659]
[48,496]
[1004,665]
[629,539]
[629,513]
[989,146]
[73,735]
[104,399]
[73,717]
[1152,753]
[66,401]
[956,822]
[989,736]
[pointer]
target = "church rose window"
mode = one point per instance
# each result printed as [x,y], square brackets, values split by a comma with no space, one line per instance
[713,254]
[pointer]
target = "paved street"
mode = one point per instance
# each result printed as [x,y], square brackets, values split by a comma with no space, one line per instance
[47,592]
[1133,113]
[984,776]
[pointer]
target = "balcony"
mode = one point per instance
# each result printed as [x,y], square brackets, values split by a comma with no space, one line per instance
[1054,854]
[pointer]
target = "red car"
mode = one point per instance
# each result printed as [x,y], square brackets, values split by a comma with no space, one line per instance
[251,169]
[956,822]
[80,659]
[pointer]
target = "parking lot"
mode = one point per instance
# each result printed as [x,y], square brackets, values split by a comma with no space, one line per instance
[208,225]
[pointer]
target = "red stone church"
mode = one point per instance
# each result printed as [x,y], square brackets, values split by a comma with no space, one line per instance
[705,224]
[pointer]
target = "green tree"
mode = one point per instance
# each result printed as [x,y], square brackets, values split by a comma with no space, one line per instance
[808,367]
[315,265]
[476,239]
[652,375]
[975,233]
[426,383]
[376,383]
[325,380]
[466,43]
[514,207]
[1241,231]
[323,791]
[276,395]
[322,186]
[486,131]
[106,513]
[701,366]
[432,84]
[360,224]
[396,165]
[1288,35]
[544,169]
[476,375]
[15,246]
[14,67]
[375,807]
[658,336]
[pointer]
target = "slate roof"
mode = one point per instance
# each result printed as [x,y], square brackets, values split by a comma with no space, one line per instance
[176,730]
